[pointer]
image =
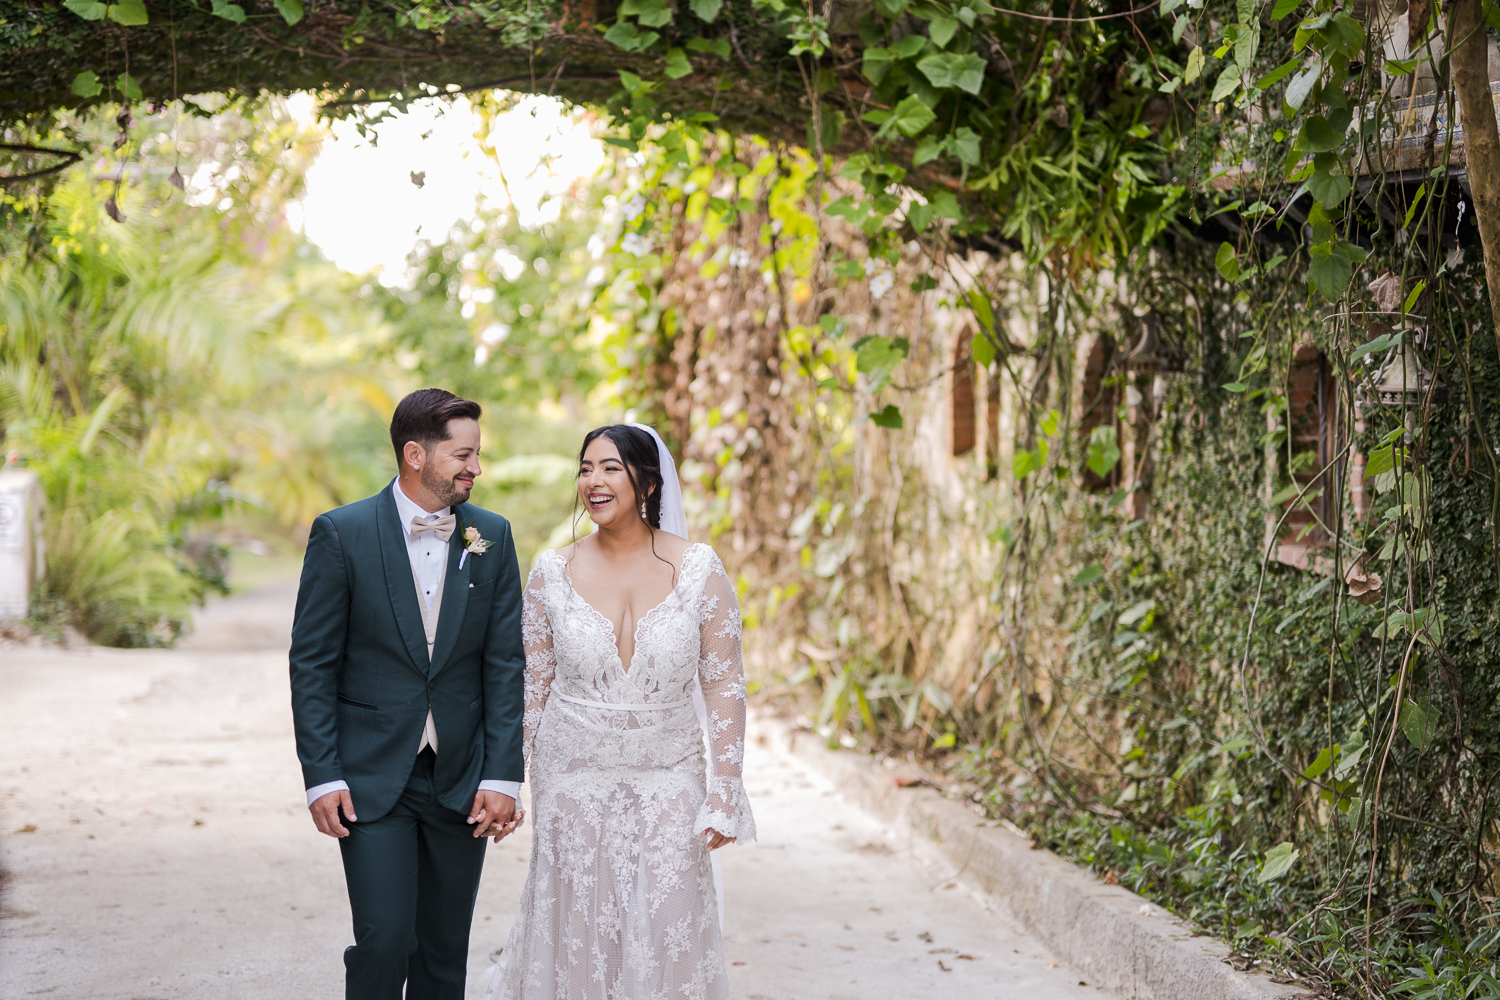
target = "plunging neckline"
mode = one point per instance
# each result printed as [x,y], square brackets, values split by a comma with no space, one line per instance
[626,669]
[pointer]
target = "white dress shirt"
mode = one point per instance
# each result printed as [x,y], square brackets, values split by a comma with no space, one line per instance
[429,563]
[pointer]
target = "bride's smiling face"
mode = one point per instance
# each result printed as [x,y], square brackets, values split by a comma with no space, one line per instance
[604,486]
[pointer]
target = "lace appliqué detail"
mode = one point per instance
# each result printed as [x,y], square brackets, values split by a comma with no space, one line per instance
[619,903]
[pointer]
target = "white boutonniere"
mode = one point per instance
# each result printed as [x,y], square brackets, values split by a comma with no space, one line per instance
[474,543]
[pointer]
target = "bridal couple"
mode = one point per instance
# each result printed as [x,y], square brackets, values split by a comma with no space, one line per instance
[427,684]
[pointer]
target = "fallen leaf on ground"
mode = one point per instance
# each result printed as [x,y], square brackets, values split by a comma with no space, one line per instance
[968,958]
[907,782]
[943,967]
[28,828]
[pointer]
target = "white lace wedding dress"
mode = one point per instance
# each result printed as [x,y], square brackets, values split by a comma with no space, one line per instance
[620,902]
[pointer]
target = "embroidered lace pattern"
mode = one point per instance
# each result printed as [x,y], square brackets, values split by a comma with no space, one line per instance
[619,903]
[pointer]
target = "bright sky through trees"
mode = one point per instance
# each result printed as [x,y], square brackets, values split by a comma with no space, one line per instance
[364,210]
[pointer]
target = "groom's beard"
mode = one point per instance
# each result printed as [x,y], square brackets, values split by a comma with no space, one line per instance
[448,491]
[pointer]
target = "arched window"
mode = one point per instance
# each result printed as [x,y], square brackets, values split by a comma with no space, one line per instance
[1099,406]
[1312,425]
[965,431]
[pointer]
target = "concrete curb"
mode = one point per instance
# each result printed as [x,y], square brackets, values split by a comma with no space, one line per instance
[1106,933]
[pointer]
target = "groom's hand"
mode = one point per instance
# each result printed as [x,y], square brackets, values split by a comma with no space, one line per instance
[325,813]
[490,809]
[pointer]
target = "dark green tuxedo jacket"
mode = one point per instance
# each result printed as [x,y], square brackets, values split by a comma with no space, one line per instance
[361,680]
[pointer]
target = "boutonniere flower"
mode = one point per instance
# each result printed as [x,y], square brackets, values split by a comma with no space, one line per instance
[474,543]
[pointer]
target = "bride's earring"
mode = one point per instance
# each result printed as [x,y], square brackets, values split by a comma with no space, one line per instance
[643,510]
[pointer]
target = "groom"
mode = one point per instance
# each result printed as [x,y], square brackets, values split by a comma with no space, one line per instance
[406,666]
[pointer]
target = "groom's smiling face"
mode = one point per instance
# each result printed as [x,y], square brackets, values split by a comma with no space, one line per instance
[448,468]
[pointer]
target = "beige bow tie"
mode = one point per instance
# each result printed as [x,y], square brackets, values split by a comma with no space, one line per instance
[442,527]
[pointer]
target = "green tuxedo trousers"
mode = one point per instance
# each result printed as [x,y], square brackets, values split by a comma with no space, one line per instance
[409,873]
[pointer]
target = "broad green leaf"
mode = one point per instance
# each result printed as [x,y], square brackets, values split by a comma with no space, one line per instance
[1136,612]
[1276,75]
[1350,33]
[1349,757]
[877,63]
[1228,83]
[89,10]
[1279,861]
[929,149]
[941,30]
[919,215]
[1235,387]
[1023,463]
[125,84]
[1194,65]
[229,11]
[980,303]
[984,350]
[1246,45]
[86,84]
[1302,85]
[889,418]
[965,145]
[706,10]
[1318,136]
[1329,188]
[909,117]
[1401,67]
[717,46]
[891,8]
[1380,460]
[291,11]
[130,13]
[654,14]
[623,35]
[1103,451]
[1283,8]
[1492,15]
[945,205]
[879,354]
[908,45]
[1227,262]
[677,65]
[1323,762]
[1168,6]
[1330,270]
[946,70]
[1091,573]
[1382,343]
[1418,722]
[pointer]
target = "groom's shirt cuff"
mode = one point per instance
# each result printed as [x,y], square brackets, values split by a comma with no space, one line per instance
[511,788]
[316,792]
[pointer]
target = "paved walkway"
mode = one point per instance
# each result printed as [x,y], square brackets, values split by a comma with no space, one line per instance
[154,845]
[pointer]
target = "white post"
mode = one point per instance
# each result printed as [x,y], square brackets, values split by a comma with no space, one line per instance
[21,556]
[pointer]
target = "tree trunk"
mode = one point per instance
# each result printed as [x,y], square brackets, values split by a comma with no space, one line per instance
[1468,49]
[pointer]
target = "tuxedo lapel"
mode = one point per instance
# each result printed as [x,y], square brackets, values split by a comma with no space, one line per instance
[455,594]
[398,580]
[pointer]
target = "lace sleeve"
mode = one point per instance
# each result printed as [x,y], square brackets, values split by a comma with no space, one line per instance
[722,674]
[541,663]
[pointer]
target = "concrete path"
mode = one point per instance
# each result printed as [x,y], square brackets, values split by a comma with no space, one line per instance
[154,845]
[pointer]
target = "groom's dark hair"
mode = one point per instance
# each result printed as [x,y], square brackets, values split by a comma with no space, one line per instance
[423,417]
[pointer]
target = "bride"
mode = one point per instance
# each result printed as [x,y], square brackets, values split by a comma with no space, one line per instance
[621,629]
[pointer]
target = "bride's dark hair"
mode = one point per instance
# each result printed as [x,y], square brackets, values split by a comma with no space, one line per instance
[642,467]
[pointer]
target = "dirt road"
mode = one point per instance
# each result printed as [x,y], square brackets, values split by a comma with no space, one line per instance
[155,845]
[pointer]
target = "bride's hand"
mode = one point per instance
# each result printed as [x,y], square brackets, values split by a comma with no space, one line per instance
[502,831]
[716,839]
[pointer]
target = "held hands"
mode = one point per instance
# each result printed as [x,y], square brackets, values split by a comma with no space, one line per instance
[325,813]
[494,814]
